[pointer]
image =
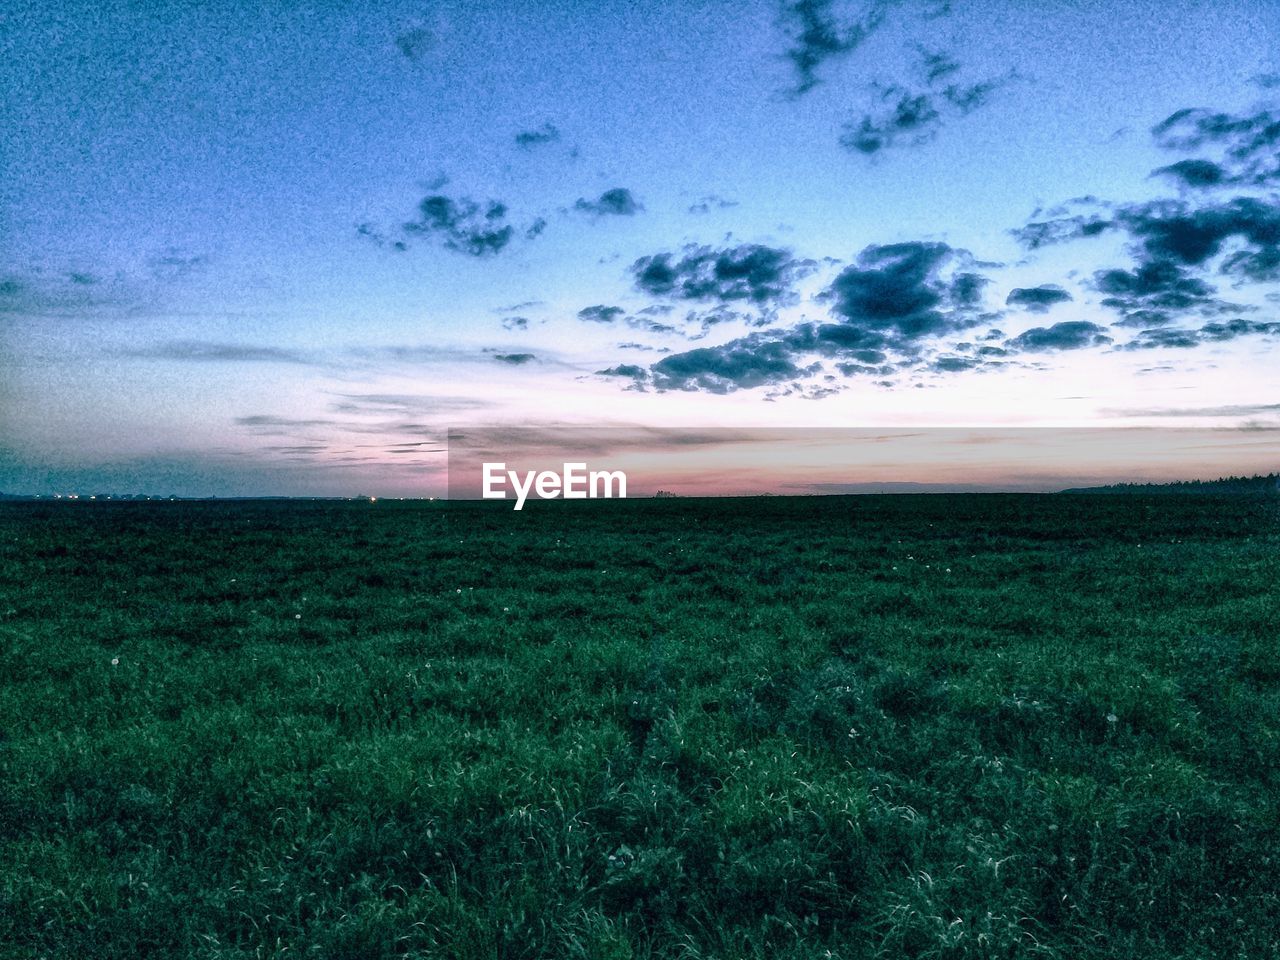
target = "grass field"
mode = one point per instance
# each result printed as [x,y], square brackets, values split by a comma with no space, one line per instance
[969,726]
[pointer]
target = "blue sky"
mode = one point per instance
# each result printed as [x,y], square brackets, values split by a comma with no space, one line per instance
[280,250]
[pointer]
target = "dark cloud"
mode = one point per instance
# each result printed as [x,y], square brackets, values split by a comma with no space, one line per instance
[954,364]
[904,117]
[819,34]
[617,202]
[514,359]
[1068,335]
[518,307]
[1195,173]
[745,363]
[1191,235]
[1217,332]
[1145,318]
[176,265]
[1152,289]
[773,357]
[712,202]
[463,225]
[1212,332]
[1150,339]
[415,43]
[649,325]
[1246,146]
[1061,229]
[528,139]
[199,351]
[1079,218]
[912,117]
[901,289]
[600,313]
[515,323]
[265,421]
[1037,299]
[936,65]
[378,238]
[629,370]
[759,274]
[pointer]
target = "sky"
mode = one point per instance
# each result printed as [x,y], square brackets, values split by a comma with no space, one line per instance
[282,249]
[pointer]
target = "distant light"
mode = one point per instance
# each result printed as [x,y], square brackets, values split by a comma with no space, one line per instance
[373,499]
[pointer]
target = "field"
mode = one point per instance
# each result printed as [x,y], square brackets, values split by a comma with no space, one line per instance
[917,726]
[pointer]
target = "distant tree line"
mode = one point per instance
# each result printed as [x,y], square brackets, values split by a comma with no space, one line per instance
[1269,484]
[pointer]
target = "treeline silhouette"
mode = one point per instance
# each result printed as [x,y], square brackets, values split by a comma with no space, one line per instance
[1269,484]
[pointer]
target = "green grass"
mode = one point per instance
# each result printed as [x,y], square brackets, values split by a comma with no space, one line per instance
[963,726]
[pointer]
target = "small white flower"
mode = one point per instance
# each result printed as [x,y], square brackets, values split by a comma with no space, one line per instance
[1112,718]
[297,616]
[506,609]
[115,661]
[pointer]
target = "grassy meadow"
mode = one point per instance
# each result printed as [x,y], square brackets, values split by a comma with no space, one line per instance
[914,726]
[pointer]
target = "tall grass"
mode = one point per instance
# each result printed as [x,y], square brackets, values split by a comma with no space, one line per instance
[826,727]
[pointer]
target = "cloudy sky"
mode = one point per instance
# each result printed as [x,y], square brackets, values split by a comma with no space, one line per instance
[281,248]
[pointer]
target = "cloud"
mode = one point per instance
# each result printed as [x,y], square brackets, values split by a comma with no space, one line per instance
[628,370]
[711,202]
[600,313]
[617,202]
[912,117]
[415,43]
[263,421]
[403,404]
[905,117]
[1219,331]
[200,351]
[1213,332]
[1061,224]
[41,294]
[1068,335]
[464,225]
[954,364]
[519,307]
[1232,410]
[1150,339]
[817,35]
[936,64]
[173,264]
[1191,235]
[514,359]
[1037,299]
[515,323]
[902,289]
[1195,173]
[528,139]
[1246,146]
[888,304]
[753,272]
[1150,293]
[739,364]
